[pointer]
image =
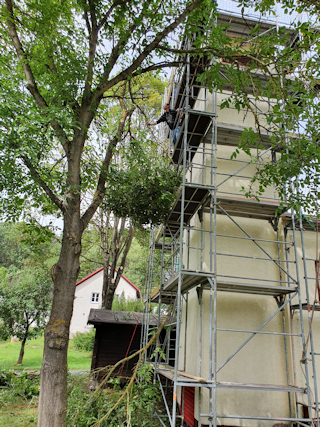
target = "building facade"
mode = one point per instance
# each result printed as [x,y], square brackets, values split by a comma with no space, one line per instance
[88,296]
[241,276]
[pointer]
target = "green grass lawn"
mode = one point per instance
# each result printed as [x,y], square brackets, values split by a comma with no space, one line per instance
[9,353]
[18,416]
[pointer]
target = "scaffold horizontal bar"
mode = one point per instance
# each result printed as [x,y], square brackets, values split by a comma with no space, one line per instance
[306,307]
[248,417]
[189,382]
[254,257]
[260,332]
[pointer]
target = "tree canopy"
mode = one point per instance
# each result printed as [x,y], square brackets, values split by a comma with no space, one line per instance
[25,303]
[60,61]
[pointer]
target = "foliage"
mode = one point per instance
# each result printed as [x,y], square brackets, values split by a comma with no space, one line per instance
[26,243]
[121,303]
[282,70]
[12,251]
[143,396]
[70,69]
[144,191]
[25,302]
[84,341]
[23,384]
[60,63]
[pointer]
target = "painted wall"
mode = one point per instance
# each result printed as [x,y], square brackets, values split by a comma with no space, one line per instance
[262,360]
[311,246]
[83,304]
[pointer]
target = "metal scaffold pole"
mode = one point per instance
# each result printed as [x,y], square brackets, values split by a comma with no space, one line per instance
[293,217]
[316,403]
[181,245]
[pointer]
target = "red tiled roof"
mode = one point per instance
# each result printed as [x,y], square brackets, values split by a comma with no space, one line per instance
[98,271]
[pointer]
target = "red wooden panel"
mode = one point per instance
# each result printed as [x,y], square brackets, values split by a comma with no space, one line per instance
[188,414]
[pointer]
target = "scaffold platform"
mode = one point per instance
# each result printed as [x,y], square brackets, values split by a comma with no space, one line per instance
[190,279]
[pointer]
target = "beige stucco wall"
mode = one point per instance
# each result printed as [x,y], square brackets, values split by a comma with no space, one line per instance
[83,304]
[262,360]
[310,245]
[245,117]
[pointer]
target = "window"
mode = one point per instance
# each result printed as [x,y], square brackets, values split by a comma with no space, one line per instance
[94,297]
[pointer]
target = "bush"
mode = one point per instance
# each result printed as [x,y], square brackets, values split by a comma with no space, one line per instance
[85,408]
[23,384]
[121,303]
[83,341]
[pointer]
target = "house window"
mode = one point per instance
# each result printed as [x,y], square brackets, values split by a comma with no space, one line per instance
[95,297]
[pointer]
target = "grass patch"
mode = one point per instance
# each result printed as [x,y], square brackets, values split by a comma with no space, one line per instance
[18,415]
[9,353]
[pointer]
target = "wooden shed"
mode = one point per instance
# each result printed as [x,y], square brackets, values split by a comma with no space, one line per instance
[118,334]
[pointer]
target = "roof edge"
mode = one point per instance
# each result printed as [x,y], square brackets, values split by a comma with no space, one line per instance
[98,271]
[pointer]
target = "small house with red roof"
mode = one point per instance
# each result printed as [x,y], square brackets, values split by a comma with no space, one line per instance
[88,296]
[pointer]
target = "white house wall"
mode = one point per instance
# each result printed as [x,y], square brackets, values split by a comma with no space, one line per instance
[245,118]
[83,304]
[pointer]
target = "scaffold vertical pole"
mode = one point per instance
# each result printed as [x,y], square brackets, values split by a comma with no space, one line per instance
[309,321]
[185,141]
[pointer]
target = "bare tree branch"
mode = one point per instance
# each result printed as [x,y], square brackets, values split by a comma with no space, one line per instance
[36,176]
[92,50]
[126,247]
[105,84]
[91,260]
[86,18]
[99,193]
[158,67]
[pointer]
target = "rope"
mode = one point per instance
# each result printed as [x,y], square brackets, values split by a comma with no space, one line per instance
[134,332]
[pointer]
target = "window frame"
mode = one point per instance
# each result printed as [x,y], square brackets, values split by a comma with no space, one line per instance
[95,297]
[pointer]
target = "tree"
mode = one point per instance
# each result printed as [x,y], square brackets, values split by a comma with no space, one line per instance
[282,67]
[25,304]
[58,60]
[141,183]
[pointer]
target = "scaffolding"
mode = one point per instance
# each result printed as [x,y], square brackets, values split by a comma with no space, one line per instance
[220,249]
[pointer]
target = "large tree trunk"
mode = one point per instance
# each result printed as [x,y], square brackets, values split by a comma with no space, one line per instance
[53,385]
[22,348]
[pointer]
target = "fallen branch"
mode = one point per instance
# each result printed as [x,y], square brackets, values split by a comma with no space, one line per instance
[128,388]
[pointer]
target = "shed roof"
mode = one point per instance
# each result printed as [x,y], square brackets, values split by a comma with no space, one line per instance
[99,316]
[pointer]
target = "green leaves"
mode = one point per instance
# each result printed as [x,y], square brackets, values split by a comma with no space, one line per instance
[144,191]
[277,89]
[25,302]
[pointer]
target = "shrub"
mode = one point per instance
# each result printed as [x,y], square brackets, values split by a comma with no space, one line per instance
[121,303]
[5,377]
[85,408]
[23,384]
[83,341]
